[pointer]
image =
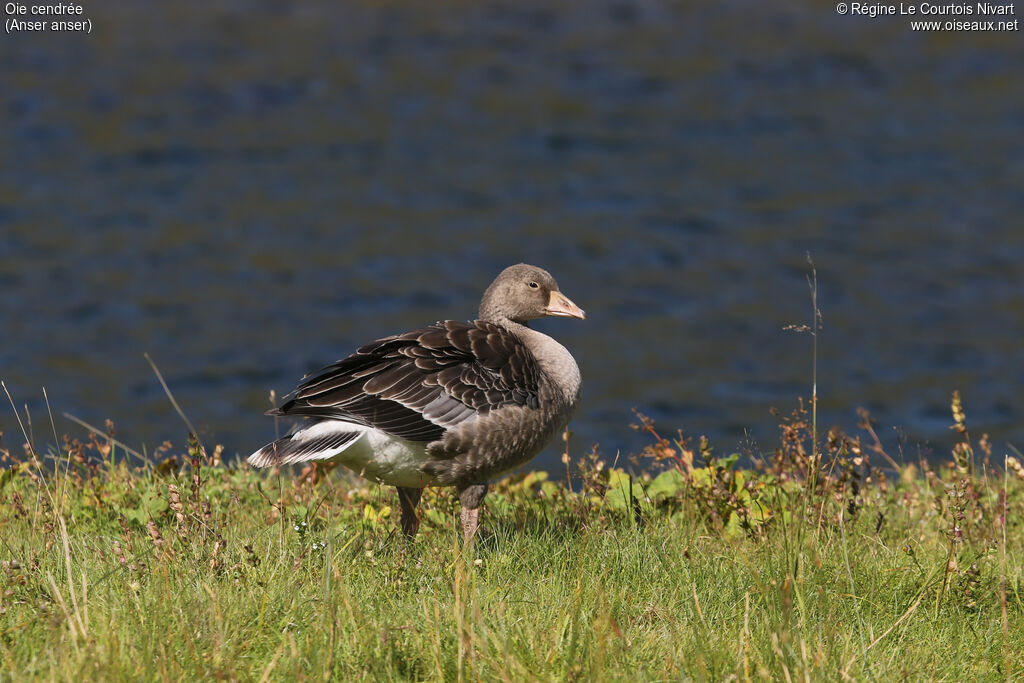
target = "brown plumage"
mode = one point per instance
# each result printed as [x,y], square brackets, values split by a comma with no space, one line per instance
[451,404]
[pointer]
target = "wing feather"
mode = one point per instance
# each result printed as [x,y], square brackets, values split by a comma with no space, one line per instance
[419,384]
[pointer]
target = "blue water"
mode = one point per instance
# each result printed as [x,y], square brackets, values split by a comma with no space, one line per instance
[247,191]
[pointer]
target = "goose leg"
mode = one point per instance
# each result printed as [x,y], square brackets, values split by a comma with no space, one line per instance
[470,497]
[470,522]
[410,498]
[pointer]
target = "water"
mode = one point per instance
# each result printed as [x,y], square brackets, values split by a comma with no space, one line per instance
[247,191]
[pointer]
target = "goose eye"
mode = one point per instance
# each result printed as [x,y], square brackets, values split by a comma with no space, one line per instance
[534,285]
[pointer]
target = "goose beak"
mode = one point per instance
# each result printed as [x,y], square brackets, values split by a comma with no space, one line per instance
[559,305]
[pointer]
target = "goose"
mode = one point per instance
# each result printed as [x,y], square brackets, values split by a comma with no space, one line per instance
[450,404]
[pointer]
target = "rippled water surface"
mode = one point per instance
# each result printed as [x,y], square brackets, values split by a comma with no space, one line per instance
[248,191]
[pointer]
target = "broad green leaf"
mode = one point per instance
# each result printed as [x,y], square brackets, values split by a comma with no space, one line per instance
[666,485]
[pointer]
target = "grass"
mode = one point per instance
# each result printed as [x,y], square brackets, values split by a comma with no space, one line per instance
[186,567]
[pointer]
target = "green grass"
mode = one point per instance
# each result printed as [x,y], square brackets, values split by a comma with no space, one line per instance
[186,568]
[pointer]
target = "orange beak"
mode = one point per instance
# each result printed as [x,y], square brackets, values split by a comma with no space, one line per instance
[559,305]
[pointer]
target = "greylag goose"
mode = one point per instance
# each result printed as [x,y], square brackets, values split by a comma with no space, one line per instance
[450,404]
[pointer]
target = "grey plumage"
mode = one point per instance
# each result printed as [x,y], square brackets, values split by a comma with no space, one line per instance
[452,403]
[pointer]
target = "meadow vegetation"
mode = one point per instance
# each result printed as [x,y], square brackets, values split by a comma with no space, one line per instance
[814,561]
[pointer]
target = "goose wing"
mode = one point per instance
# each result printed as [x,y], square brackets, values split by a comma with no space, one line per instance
[419,384]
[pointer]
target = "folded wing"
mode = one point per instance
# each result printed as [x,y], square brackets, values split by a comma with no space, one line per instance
[419,384]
